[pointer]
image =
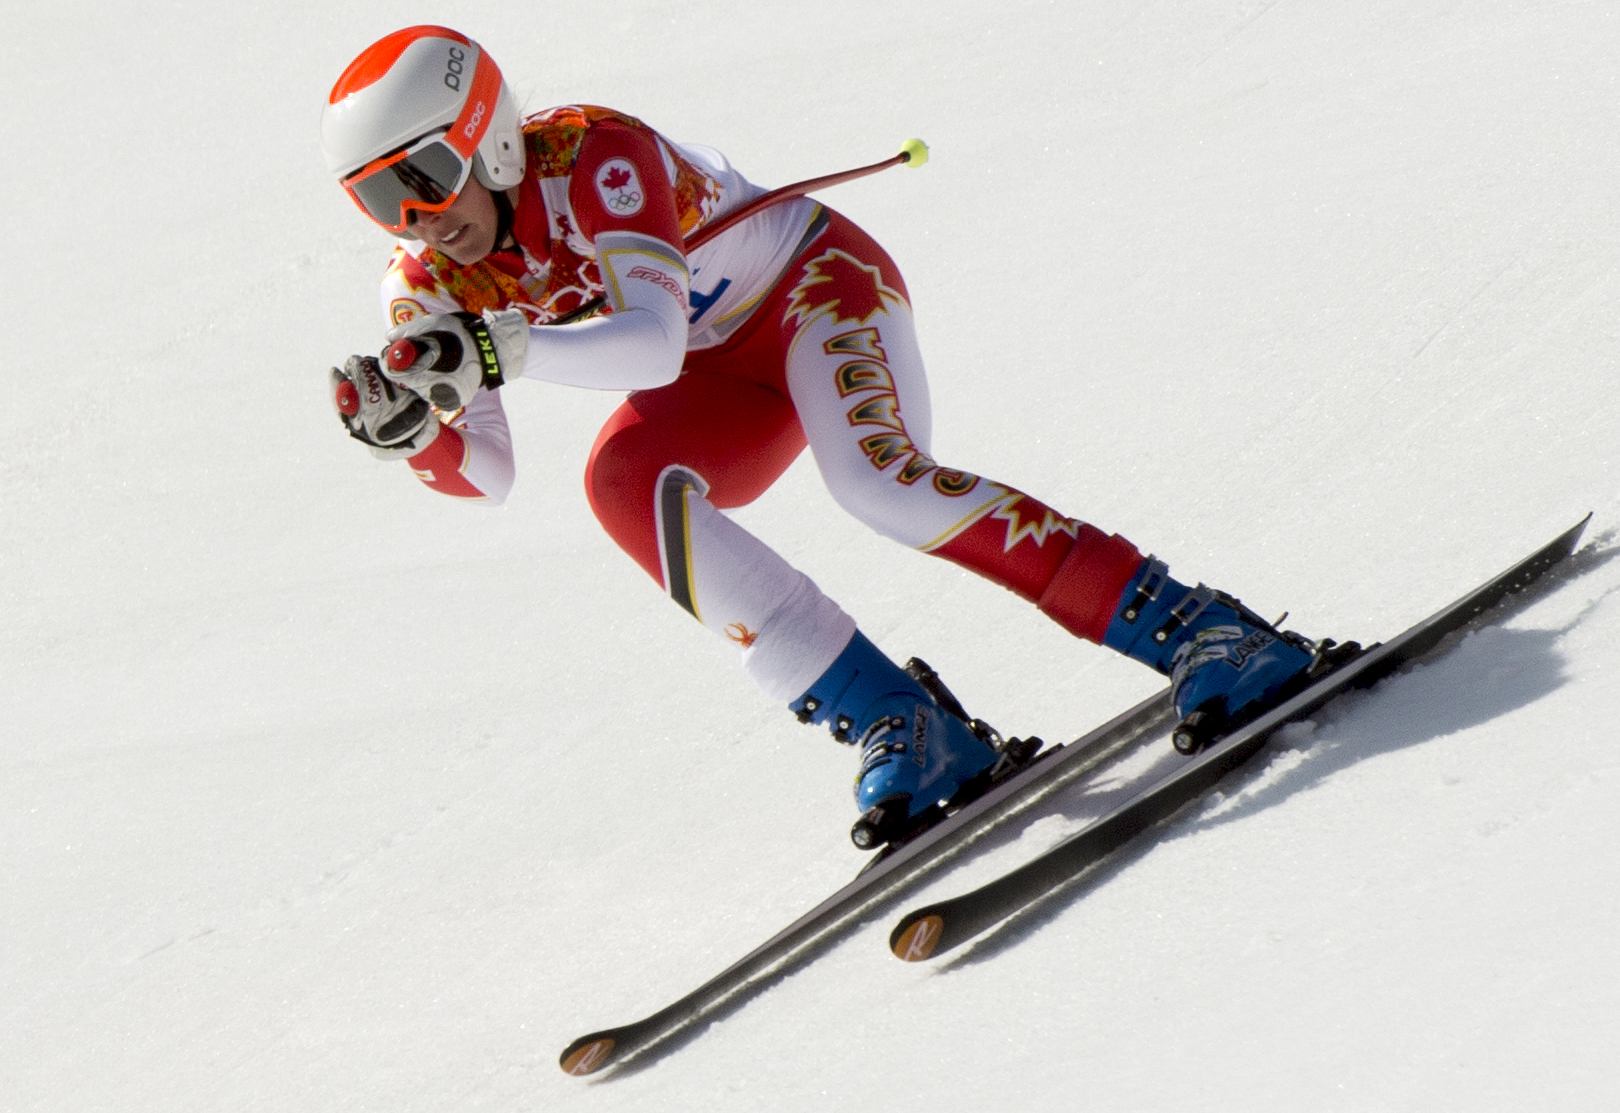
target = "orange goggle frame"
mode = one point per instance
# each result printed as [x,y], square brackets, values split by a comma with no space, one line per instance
[425,177]
[430,173]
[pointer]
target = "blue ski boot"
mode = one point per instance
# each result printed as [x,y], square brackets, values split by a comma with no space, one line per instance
[920,754]
[1226,664]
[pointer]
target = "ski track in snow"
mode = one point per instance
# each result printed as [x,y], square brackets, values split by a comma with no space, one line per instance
[322,793]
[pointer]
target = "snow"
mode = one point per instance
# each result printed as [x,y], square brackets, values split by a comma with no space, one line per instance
[321,792]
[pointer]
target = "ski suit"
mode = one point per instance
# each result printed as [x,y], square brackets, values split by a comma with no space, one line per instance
[791,328]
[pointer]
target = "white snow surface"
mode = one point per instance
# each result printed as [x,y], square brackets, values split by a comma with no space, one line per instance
[321,792]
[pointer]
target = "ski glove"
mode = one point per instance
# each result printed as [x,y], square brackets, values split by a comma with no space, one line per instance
[446,357]
[392,422]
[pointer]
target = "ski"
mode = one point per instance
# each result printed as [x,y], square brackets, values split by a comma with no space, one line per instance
[884,880]
[937,928]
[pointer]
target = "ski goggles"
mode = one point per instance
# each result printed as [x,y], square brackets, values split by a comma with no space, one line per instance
[425,177]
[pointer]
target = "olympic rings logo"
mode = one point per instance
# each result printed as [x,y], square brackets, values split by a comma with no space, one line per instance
[619,187]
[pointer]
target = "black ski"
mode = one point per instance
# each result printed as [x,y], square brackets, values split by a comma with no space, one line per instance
[940,927]
[881,883]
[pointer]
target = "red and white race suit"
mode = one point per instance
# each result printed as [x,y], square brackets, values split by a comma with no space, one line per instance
[791,328]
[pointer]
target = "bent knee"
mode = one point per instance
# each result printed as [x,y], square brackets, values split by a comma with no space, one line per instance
[882,501]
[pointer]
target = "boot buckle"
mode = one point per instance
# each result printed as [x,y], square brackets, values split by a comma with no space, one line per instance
[1153,580]
[1184,612]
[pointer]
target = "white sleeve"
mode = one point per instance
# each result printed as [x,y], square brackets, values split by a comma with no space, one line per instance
[488,465]
[642,343]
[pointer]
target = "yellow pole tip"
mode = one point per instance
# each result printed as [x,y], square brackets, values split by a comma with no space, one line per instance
[916,152]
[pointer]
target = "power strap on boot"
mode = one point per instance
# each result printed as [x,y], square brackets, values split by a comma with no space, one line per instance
[1184,612]
[1155,575]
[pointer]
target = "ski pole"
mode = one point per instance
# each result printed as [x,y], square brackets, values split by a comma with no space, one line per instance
[913,152]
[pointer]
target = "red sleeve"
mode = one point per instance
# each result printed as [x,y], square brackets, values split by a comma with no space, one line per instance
[442,464]
[620,185]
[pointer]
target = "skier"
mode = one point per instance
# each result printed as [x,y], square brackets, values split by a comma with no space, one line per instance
[793,327]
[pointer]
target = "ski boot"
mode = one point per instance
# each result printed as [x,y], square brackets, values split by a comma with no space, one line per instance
[1226,664]
[920,753]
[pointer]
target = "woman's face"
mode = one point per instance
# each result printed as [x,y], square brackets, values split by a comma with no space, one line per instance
[466,230]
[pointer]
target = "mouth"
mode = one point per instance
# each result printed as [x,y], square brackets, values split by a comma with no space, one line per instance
[452,237]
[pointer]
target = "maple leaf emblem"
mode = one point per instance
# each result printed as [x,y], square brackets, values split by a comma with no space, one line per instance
[1025,517]
[842,285]
[616,178]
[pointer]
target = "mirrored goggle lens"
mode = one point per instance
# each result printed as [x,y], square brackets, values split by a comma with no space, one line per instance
[428,178]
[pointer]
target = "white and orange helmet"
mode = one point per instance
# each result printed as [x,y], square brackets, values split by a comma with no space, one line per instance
[413,117]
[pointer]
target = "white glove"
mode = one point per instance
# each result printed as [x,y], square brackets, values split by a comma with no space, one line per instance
[393,423]
[446,357]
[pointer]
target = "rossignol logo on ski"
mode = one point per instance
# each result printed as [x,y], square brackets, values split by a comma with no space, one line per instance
[619,187]
[589,1057]
[917,941]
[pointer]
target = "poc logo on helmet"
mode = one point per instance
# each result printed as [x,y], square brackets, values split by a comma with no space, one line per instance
[453,68]
[477,117]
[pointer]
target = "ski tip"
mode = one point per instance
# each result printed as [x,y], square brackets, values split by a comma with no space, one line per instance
[1564,544]
[586,1055]
[916,936]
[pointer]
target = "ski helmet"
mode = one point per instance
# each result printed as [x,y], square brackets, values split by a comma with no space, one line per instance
[414,116]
